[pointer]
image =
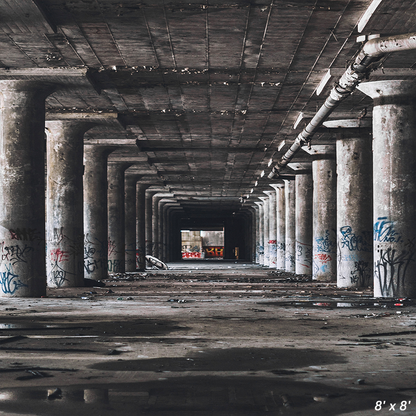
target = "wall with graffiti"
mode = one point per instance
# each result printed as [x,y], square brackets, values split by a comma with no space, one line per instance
[202,244]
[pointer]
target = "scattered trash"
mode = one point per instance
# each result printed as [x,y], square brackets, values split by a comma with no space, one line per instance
[157,263]
[360,381]
[177,300]
[56,394]
[321,398]
[286,400]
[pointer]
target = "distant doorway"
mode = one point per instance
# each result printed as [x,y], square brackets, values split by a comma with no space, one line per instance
[202,244]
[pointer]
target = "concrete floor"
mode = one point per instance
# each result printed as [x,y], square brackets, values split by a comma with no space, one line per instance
[208,338]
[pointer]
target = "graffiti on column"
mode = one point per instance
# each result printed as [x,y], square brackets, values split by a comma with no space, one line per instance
[304,254]
[94,254]
[64,263]
[140,259]
[354,242]
[12,255]
[390,269]
[114,266]
[350,247]
[325,244]
[281,246]
[111,247]
[361,273]
[391,260]
[58,275]
[290,260]
[384,231]
[324,247]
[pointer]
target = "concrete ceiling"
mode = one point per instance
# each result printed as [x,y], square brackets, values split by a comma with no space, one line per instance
[206,91]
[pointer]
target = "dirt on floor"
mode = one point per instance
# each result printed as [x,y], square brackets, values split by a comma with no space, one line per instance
[208,339]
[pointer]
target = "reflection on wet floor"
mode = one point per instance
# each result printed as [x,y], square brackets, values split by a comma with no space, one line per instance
[232,359]
[236,342]
[346,303]
[202,395]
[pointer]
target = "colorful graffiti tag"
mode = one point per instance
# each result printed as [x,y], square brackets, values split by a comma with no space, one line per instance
[213,251]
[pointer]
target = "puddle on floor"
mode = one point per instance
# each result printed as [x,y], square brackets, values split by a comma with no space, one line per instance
[375,303]
[230,359]
[201,395]
[26,326]
[133,327]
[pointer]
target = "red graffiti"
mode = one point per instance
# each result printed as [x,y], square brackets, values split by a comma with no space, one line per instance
[272,241]
[57,255]
[191,255]
[324,258]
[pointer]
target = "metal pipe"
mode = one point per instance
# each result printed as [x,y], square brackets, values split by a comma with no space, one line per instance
[368,59]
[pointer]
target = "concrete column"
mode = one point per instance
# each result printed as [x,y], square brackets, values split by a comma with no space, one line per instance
[130,199]
[290,232]
[95,212]
[116,216]
[149,221]
[261,233]
[354,202]
[324,215]
[157,226]
[394,175]
[280,226]
[64,202]
[165,230]
[303,191]
[141,232]
[272,229]
[266,215]
[257,234]
[160,229]
[174,247]
[22,188]
[166,238]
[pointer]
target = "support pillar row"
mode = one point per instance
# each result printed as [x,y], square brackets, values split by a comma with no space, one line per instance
[64,202]
[324,214]
[304,209]
[266,213]
[22,188]
[354,202]
[394,167]
[95,212]
[272,229]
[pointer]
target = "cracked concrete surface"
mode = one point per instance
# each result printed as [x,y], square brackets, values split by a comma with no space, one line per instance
[208,338]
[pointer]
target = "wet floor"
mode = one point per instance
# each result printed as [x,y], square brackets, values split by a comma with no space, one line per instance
[240,341]
[239,396]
